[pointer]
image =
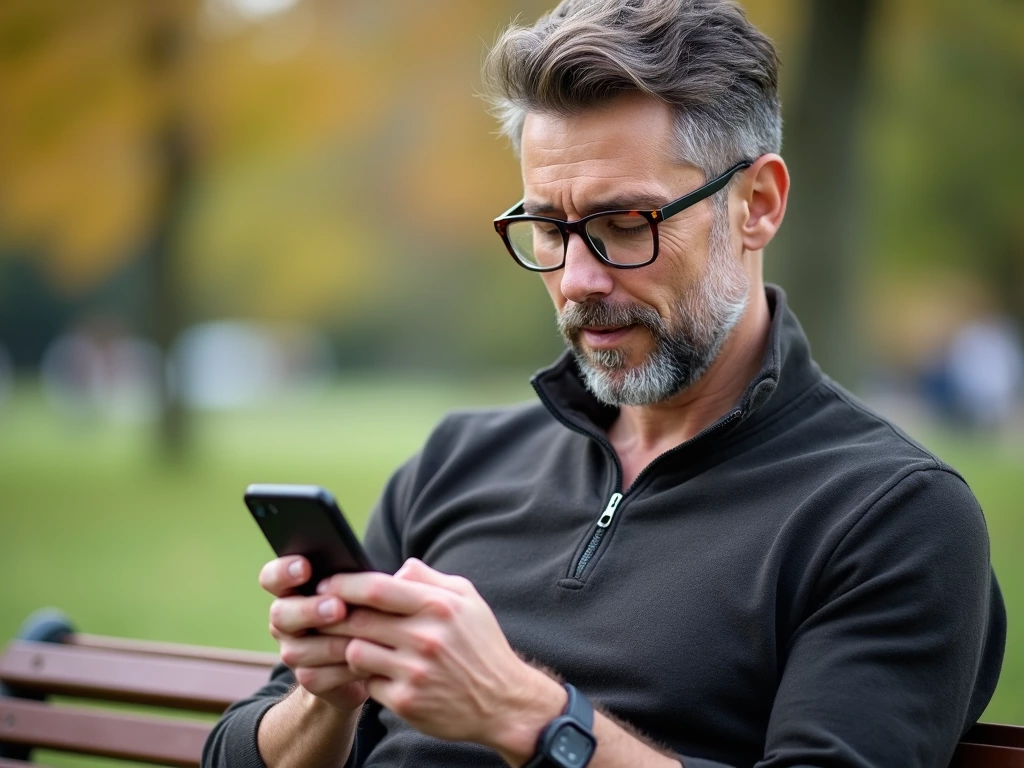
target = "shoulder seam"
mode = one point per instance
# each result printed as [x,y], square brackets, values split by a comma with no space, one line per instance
[896,483]
[831,386]
[811,607]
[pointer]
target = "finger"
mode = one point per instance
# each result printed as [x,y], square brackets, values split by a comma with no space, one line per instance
[397,695]
[375,626]
[372,660]
[418,571]
[280,577]
[314,650]
[380,591]
[293,615]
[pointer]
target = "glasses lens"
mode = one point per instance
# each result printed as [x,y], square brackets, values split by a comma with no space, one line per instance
[622,238]
[536,243]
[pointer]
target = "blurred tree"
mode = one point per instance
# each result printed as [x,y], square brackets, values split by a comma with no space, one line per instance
[945,134]
[75,179]
[904,211]
[329,163]
[819,247]
[256,165]
[98,165]
[164,48]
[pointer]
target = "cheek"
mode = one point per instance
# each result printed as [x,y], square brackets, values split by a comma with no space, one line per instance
[553,283]
[682,259]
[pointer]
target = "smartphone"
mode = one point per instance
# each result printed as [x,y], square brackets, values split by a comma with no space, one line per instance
[305,520]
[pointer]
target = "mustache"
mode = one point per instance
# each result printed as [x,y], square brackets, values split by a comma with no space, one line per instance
[608,314]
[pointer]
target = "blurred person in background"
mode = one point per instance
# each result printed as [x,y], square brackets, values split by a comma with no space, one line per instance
[985,367]
[98,367]
[975,383]
[696,549]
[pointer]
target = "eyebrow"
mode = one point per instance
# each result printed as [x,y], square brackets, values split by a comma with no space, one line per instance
[544,208]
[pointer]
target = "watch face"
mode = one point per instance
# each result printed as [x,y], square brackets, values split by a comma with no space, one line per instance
[571,747]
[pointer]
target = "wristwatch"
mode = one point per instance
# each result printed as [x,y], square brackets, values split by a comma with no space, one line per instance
[568,740]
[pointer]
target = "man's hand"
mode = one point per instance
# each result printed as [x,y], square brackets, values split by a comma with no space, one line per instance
[435,656]
[318,660]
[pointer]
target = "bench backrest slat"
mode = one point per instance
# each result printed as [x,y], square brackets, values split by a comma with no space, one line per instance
[261,659]
[969,755]
[996,734]
[103,733]
[204,679]
[189,683]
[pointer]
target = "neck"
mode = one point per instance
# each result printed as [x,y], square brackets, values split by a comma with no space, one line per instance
[641,433]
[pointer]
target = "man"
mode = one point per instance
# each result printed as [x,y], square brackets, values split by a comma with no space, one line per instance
[712,544]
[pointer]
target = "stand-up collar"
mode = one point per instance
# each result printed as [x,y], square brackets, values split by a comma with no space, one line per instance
[787,371]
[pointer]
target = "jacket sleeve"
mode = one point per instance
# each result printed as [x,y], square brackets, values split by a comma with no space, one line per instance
[902,640]
[902,643]
[232,742]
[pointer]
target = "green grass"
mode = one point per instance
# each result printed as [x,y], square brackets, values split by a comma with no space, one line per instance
[92,522]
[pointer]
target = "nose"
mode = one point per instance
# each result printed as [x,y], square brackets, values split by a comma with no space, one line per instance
[584,276]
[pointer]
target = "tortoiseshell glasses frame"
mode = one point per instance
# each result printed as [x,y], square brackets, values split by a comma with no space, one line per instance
[595,242]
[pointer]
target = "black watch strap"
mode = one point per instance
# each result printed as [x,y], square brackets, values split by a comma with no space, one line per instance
[579,708]
[568,740]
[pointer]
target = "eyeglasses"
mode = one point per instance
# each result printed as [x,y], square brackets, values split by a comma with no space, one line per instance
[622,239]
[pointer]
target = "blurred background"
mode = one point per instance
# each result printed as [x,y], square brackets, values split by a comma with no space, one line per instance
[250,241]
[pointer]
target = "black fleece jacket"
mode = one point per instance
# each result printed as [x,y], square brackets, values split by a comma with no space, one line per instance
[800,585]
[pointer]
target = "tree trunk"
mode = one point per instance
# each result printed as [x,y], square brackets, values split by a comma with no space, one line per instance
[817,258]
[164,52]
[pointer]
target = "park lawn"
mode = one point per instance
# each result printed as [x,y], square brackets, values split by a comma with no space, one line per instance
[94,523]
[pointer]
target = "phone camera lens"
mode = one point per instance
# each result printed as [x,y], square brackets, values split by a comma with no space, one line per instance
[272,508]
[258,509]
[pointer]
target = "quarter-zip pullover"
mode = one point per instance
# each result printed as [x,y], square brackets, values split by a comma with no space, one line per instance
[801,584]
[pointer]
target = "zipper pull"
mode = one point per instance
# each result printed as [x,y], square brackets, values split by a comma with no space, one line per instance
[609,512]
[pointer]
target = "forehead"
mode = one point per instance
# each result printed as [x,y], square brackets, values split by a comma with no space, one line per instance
[628,142]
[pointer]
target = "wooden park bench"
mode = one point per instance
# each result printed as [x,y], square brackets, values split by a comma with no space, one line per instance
[49,659]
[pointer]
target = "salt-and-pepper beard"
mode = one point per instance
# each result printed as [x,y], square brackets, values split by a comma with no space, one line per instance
[684,347]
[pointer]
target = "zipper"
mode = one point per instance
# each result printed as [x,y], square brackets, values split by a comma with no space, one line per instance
[595,541]
[605,520]
[720,424]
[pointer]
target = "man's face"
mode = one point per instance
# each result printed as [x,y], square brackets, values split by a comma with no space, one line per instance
[640,335]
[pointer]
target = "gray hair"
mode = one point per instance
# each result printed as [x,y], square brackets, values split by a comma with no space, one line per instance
[703,58]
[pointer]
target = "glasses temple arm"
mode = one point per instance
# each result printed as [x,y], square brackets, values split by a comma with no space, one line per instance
[697,195]
[515,210]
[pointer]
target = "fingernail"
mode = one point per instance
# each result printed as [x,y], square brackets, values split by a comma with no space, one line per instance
[295,569]
[321,587]
[328,608]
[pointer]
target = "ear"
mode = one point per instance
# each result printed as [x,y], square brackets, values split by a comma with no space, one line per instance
[763,196]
